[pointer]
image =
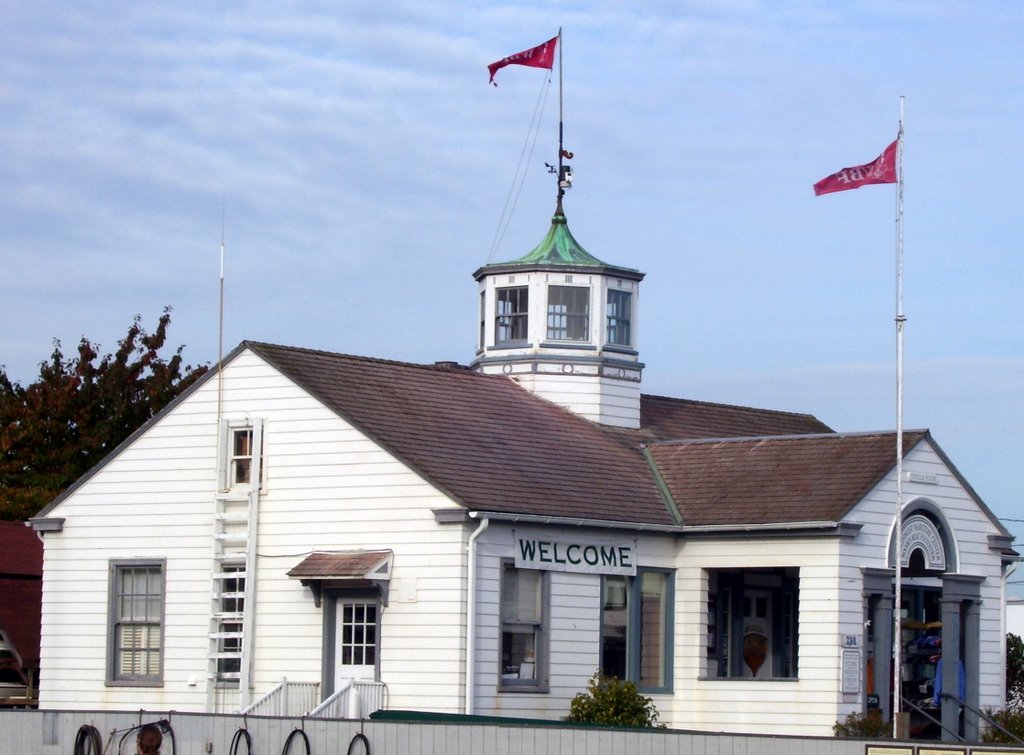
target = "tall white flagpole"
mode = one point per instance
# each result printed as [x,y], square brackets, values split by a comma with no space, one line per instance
[897,640]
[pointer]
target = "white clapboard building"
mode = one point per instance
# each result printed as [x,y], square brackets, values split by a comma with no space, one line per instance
[352,533]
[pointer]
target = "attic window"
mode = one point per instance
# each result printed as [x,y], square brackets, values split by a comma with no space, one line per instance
[241,454]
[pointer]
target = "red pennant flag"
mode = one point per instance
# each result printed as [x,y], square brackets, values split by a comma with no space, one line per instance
[541,56]
[881,170]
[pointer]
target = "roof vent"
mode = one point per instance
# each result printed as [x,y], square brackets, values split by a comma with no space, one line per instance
[443,365]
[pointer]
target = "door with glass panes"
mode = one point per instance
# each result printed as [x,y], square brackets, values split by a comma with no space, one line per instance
[356,636]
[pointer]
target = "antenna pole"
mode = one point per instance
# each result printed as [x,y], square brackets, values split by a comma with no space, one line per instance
[561,125]
[220,318]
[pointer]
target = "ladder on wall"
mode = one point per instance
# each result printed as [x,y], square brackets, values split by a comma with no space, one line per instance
[232,594]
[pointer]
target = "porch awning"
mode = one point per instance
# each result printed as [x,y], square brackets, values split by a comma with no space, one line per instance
[344,569]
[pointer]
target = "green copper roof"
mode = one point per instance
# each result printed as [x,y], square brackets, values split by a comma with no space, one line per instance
[559,247]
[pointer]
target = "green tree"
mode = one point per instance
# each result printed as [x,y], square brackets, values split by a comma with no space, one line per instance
[1014,673]
[78,410]
[612,701]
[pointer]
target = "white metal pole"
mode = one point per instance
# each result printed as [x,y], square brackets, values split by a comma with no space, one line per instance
[897,642]
[220,323]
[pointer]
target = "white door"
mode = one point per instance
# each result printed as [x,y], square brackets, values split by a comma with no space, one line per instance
[355,647]
[757,633]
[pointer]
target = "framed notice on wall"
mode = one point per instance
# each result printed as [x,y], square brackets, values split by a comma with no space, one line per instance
[851,672]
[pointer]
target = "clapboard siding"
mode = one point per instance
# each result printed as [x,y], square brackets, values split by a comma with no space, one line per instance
[574,615]
[328,487]
[970,528]
[807,704]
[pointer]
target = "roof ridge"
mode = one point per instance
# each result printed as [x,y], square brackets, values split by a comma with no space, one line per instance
[790,438]
[440,365]
[676,399]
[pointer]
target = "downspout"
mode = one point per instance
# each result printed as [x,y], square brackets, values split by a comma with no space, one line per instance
[471,609]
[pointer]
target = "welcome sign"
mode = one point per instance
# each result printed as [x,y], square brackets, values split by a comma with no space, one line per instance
[541,551]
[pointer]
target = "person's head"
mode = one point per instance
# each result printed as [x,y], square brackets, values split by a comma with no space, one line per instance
[149,740]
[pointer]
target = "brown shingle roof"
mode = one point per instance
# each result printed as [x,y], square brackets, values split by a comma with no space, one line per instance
[490,445]
[484,440]
[776,480]
[683,419]
[493,446]
[337,564]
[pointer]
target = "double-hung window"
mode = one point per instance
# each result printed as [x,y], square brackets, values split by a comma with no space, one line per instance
[241,454]
[568,313]
[511,314]
[618,317]
[136,619]
[636,628]
[523,628]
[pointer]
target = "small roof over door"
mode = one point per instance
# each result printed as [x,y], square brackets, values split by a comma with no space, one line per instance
[344,569]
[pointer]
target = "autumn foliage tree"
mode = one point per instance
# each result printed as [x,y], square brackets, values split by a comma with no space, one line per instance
[78,410]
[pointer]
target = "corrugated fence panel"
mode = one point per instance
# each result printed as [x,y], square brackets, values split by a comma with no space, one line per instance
[54,733]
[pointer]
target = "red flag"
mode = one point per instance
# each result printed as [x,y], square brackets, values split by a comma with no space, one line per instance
[541,56]
[881,170]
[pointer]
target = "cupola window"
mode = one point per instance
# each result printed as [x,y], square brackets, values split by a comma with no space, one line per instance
[618,314]
[511,317]
[568,313]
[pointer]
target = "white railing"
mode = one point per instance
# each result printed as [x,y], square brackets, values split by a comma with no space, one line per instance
[286,699]
[353,699]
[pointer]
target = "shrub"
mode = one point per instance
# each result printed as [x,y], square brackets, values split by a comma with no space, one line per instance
[863,726]
[614,702]
[1011,720]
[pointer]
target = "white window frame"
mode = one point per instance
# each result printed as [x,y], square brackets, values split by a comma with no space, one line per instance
[145,617]
[227,459]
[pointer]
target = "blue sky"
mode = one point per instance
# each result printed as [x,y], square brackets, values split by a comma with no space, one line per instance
[361,162]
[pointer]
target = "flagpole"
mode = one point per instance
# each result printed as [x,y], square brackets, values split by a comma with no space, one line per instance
[897,651]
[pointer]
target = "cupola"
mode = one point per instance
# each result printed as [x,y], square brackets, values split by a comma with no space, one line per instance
[563,324]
